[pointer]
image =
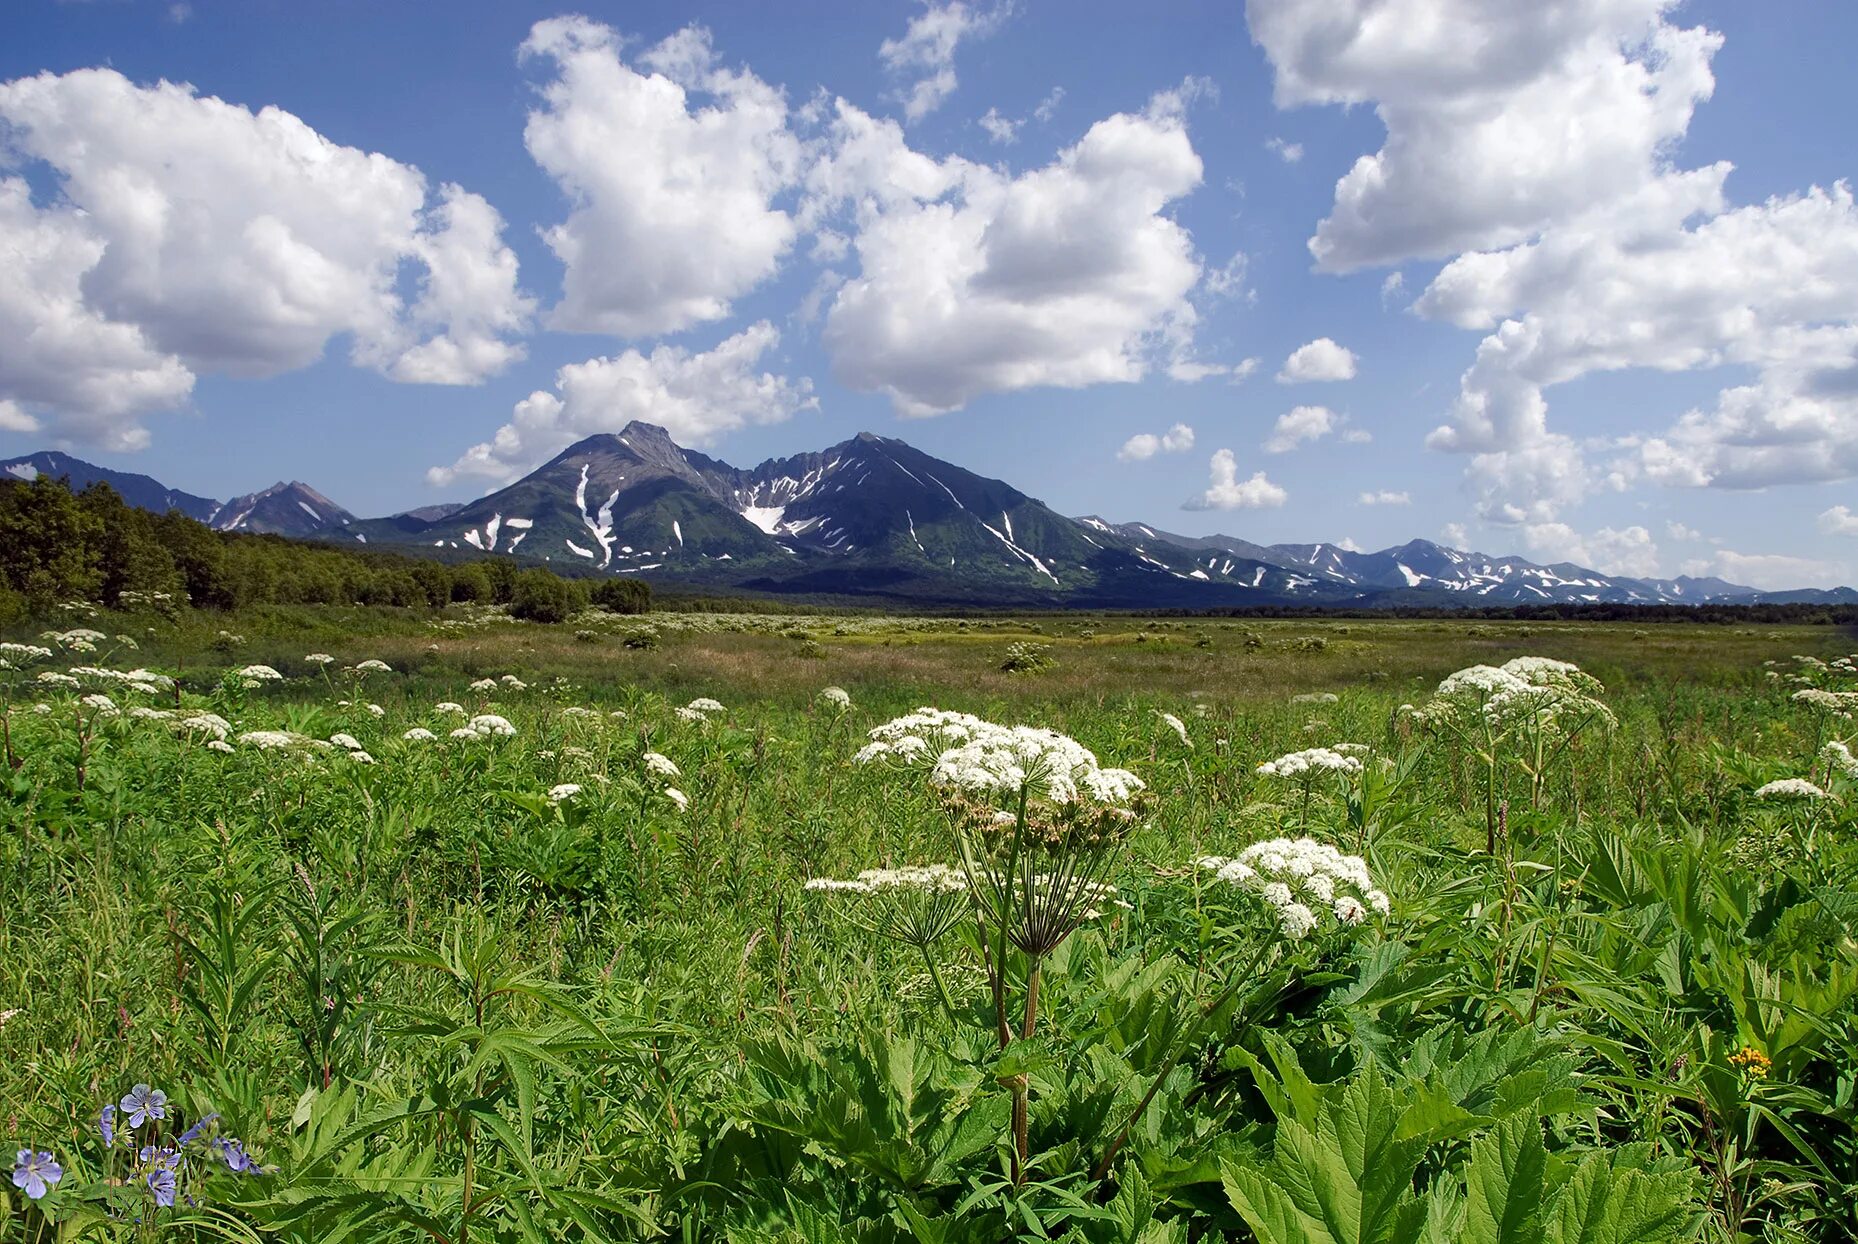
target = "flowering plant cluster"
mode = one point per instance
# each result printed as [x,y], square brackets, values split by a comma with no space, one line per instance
[146,1166]
[979,757]
[1304,883]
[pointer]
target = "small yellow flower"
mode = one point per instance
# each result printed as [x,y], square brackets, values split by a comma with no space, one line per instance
[1751,1062]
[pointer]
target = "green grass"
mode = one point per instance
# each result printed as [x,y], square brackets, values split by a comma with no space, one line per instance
[444,1007]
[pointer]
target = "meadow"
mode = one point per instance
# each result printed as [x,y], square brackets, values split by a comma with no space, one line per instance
[330,923]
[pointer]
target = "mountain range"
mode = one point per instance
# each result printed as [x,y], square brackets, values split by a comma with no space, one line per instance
[875,517]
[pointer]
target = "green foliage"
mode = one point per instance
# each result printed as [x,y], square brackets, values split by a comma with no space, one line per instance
[505,988]
[58,548]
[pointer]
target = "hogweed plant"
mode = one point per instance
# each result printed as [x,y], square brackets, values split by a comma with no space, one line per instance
[1036,824]
[1272,894]
[1528,712]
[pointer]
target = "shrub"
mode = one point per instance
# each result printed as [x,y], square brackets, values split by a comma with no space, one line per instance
[541,597]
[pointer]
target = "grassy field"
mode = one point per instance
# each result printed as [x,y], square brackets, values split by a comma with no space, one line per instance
[1554,959]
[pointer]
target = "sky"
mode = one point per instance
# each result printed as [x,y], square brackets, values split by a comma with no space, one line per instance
[1575,279]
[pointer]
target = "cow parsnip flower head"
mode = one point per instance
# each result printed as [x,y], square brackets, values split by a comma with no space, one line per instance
[705,705]
[836,698]
[373,666]
[1313,762]
[418,734]
[489,724]
[1177,725]
[1791,790]
[260,673]
[1838,758]
[484,684]
[1303,883]
[319,658]
[978,756]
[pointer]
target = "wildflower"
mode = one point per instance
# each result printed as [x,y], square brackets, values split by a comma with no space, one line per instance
[484,684]
[690,715]
[260,673]
[703,704]
[361,757]
[1750,1061]
[232,1152]
[934,878]
[271,740]
[418,734]
[514,683]
[465,732]
[160,1181]
[106,1123]
[1177,725]
[1283,872]
[677,797]
[320,658]
[447,706]
[52,678]
[372,666]
[143,1104]
[97,700]
[661,765]
[196,722]
[567,790]
[36,1172]
[1316,760]
[349,741]
[490,723]
[195,1131]
[1839,759]
[375,710]
[218,745]
[836,698]
[1316,697]
[1790,789]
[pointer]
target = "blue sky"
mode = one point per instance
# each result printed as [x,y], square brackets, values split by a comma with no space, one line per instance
[1622,326]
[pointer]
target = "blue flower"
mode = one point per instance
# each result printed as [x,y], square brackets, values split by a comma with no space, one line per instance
[192,1134]
[36,1172]
[161,1183]
[143,1103]
[106,1125]
[232,1153]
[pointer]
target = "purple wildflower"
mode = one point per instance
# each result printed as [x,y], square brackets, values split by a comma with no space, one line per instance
[106,1124]
[161,1183]
[143,1103]
[232,1153]
[193,1133]
[35,1172]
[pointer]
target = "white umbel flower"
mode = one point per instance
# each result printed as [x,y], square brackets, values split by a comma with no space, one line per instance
[565,791]
[1315,760]
[1177,725]
[1791,790]
[490,724]
[372,666]
[348,741]
[260,673]
[661,765]
[1302,881]
[418,734]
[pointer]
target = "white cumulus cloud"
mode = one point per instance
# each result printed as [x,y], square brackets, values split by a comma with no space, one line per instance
[1628,551]
[1839,521]
[1143,445]
[973,281]
[671,165]
[1227,491]
[926,51]
[695,397]
[1501,118]
[1771,572]
[1299,426]
[189,235]
[1318,360]
[1384,497]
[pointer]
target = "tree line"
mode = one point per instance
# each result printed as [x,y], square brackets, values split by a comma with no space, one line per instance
[58,546]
